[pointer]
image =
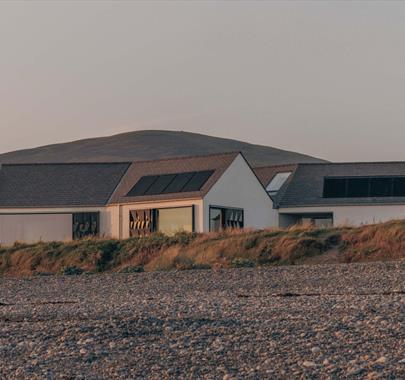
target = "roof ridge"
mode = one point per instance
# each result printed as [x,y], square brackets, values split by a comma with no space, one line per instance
[350,163]
[235,153]
[66,163]
[274,166]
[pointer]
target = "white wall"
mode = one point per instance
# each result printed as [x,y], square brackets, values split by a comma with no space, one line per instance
[121,213]
[46,224]
[239,187]
[354,215]
[34,228]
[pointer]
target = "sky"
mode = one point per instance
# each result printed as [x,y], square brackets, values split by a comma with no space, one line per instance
[321,78]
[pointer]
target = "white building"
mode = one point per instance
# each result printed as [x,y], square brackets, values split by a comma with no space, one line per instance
[336,193]
[46,202]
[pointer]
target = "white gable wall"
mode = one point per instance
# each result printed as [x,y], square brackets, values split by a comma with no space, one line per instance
[239,187]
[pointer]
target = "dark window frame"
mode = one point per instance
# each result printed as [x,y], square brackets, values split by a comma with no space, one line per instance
[223,210]
[80,217]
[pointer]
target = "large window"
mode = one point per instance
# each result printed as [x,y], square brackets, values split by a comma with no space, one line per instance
[165,220]
[364,187]
[172,220]
[85,224]
[222,218]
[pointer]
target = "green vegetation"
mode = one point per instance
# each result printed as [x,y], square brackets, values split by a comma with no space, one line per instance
[232,248]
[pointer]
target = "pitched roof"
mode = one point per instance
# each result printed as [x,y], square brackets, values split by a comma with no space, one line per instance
[305,186]
[57,185]
[218,163]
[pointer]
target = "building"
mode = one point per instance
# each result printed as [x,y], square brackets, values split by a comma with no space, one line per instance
[45,202]
[336,193]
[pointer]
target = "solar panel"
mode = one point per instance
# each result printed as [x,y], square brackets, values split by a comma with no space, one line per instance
[178,183]
[197,181]
[160,184]
[170,183]
[142,185]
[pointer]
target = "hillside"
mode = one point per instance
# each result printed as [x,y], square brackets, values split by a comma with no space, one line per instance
[147,145]
[237,248]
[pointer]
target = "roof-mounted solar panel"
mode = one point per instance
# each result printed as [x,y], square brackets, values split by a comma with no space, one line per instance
[170,183]
[160,184]
[177,185]
[197,181]
[142,186]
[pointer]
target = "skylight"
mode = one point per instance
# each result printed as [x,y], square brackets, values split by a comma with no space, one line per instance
[278,180]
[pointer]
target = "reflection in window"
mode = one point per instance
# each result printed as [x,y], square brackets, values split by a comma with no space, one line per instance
[85,224]
[165,220]
[222,218]
[141,222]
[172,220]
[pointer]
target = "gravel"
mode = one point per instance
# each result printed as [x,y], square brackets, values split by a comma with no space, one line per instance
[306,322]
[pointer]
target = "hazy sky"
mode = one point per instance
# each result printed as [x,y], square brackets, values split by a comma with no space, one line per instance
[323,78]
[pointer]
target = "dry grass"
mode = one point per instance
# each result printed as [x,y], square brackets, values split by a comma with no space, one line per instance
[232,248]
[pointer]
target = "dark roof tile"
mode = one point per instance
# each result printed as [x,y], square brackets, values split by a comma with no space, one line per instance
[58,185]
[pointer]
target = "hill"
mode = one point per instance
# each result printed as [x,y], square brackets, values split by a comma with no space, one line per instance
[148,145]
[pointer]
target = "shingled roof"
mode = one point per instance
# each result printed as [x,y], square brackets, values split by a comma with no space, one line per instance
[57,185]
[305,186]
[218,163]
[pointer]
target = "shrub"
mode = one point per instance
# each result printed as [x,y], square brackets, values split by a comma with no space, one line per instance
[132,270]
[201,266]
[251,243]
[71,271]
[239,262]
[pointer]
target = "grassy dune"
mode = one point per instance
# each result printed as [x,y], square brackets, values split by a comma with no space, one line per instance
[236,248]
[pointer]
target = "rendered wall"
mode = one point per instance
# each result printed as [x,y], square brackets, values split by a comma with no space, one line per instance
[238,187]
[51,224]
[34,228]
[355,215]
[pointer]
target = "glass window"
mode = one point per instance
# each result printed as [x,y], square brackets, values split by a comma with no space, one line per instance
[215,219]
[362,187]
[277,181]
[358,187]
[222,217]
[334,188]
[141,222]
[399,187]
[172,220]
[381,187]
[85,224]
